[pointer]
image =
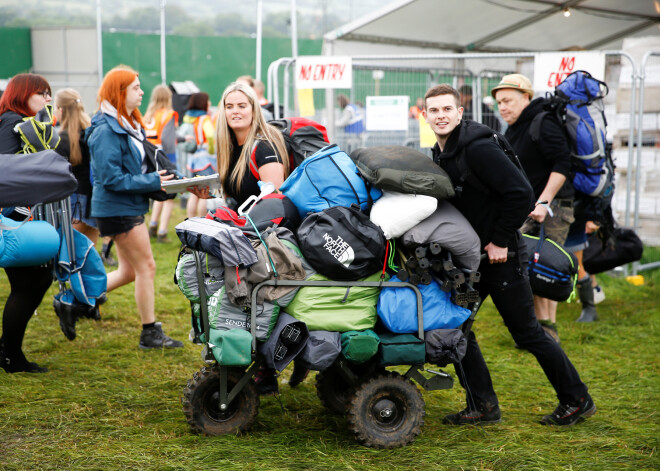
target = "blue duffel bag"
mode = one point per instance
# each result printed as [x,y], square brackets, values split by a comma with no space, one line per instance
[397,309]
[326,179]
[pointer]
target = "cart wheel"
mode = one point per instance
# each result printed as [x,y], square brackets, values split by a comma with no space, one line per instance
[202,409]
[333,390]
[386,411]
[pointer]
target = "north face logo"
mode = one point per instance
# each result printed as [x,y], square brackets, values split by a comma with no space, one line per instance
[339,249]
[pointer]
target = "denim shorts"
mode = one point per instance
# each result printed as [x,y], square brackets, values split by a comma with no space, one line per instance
[116,225]
[79,210]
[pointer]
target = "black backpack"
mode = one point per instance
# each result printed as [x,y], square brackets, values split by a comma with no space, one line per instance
[342,243]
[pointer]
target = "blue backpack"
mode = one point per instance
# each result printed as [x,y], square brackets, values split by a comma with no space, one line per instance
[326,179]
[578,104]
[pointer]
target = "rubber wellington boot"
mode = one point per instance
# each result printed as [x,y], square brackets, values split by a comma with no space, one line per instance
[586,295]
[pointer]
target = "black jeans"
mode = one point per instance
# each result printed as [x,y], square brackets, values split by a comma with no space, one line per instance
[508,286]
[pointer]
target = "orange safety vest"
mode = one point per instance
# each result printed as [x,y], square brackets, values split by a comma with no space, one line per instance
[198,124]
[154,128]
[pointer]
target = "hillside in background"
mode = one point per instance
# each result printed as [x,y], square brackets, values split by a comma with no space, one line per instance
[189,17]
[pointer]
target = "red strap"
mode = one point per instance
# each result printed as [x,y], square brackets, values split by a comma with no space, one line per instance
[387,250]
[238,276]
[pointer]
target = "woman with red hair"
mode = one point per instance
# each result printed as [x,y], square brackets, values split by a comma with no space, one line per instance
[119,202]
[25,96]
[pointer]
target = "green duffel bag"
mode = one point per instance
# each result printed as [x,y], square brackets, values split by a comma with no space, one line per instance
[401,349]
[332,309]
[359,346]
[231,347]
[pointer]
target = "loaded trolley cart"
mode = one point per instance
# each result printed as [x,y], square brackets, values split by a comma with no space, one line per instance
[384,408]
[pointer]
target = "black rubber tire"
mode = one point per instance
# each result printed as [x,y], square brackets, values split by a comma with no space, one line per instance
[333,390]
[386,411]
[201,408]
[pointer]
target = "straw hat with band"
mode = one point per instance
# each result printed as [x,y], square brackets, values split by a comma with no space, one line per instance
[516,82]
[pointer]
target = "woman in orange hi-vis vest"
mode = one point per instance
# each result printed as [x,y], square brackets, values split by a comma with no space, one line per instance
[160,127]
[199,134]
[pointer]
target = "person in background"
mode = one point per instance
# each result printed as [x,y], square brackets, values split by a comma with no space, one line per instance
[496,200]
[160,128]
[487,115]
[416,109]
[199,143]
[70,114]
[547,164]
[576,242]
[115,139]
[351,121]
[25,96]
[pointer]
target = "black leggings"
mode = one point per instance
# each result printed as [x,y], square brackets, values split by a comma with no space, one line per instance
[28,287]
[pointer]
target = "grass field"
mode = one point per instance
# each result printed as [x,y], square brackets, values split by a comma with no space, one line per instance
[106,405]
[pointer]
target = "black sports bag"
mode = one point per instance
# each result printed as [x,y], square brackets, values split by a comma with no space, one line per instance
[342,243]
[552,270]
[624,246]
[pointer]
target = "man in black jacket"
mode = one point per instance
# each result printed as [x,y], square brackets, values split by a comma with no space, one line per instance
[495,197]
[546,157]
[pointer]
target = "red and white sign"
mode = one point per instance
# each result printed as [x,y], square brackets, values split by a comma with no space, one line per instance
[324,72]
[551,68]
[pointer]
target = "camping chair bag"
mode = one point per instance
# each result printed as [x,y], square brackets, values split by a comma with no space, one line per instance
[27,243]
[336,309]
[290,336]
[322,349]
[449,228]
[397,309]
[402,169]
[186,275]
[359,346]
[400,349]
[395,213]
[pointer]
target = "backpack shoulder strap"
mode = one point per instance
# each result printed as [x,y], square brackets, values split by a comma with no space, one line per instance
[465,174]
[535,127]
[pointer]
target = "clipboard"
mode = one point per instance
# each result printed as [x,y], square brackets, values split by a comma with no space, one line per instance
[180,185]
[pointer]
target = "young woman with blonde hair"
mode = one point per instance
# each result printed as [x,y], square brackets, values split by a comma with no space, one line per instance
[160,127]
[70,114]
[115,141]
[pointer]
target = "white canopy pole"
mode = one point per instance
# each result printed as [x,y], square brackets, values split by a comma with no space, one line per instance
[294,31]
[99,42]
[257,73]
[163,72]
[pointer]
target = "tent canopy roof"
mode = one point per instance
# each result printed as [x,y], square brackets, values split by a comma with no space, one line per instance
[505,25]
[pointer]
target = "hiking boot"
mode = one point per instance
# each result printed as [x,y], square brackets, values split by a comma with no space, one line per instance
[571,413]
[153,230]
[153,337]
[162,238]
[194,336]
[586,295]
[299,374]
[109,261]
[266,381]
[479,415]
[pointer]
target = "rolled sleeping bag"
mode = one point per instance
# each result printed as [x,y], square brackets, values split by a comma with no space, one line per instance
[31,243]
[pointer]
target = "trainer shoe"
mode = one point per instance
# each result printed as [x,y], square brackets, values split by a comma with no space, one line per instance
[479,415]
[153,337]
[153,230]
[571,413]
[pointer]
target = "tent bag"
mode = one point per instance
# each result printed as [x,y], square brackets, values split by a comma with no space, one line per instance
[623,247]
[33,243]
[445,346]
[359,346]
[326,179]
[403,169]
[342,243]
[336,309]
[289,339]
[395,213]
[322,349]
[186,275]
[401,349]
[231,347]
[397,309]
[552,270]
